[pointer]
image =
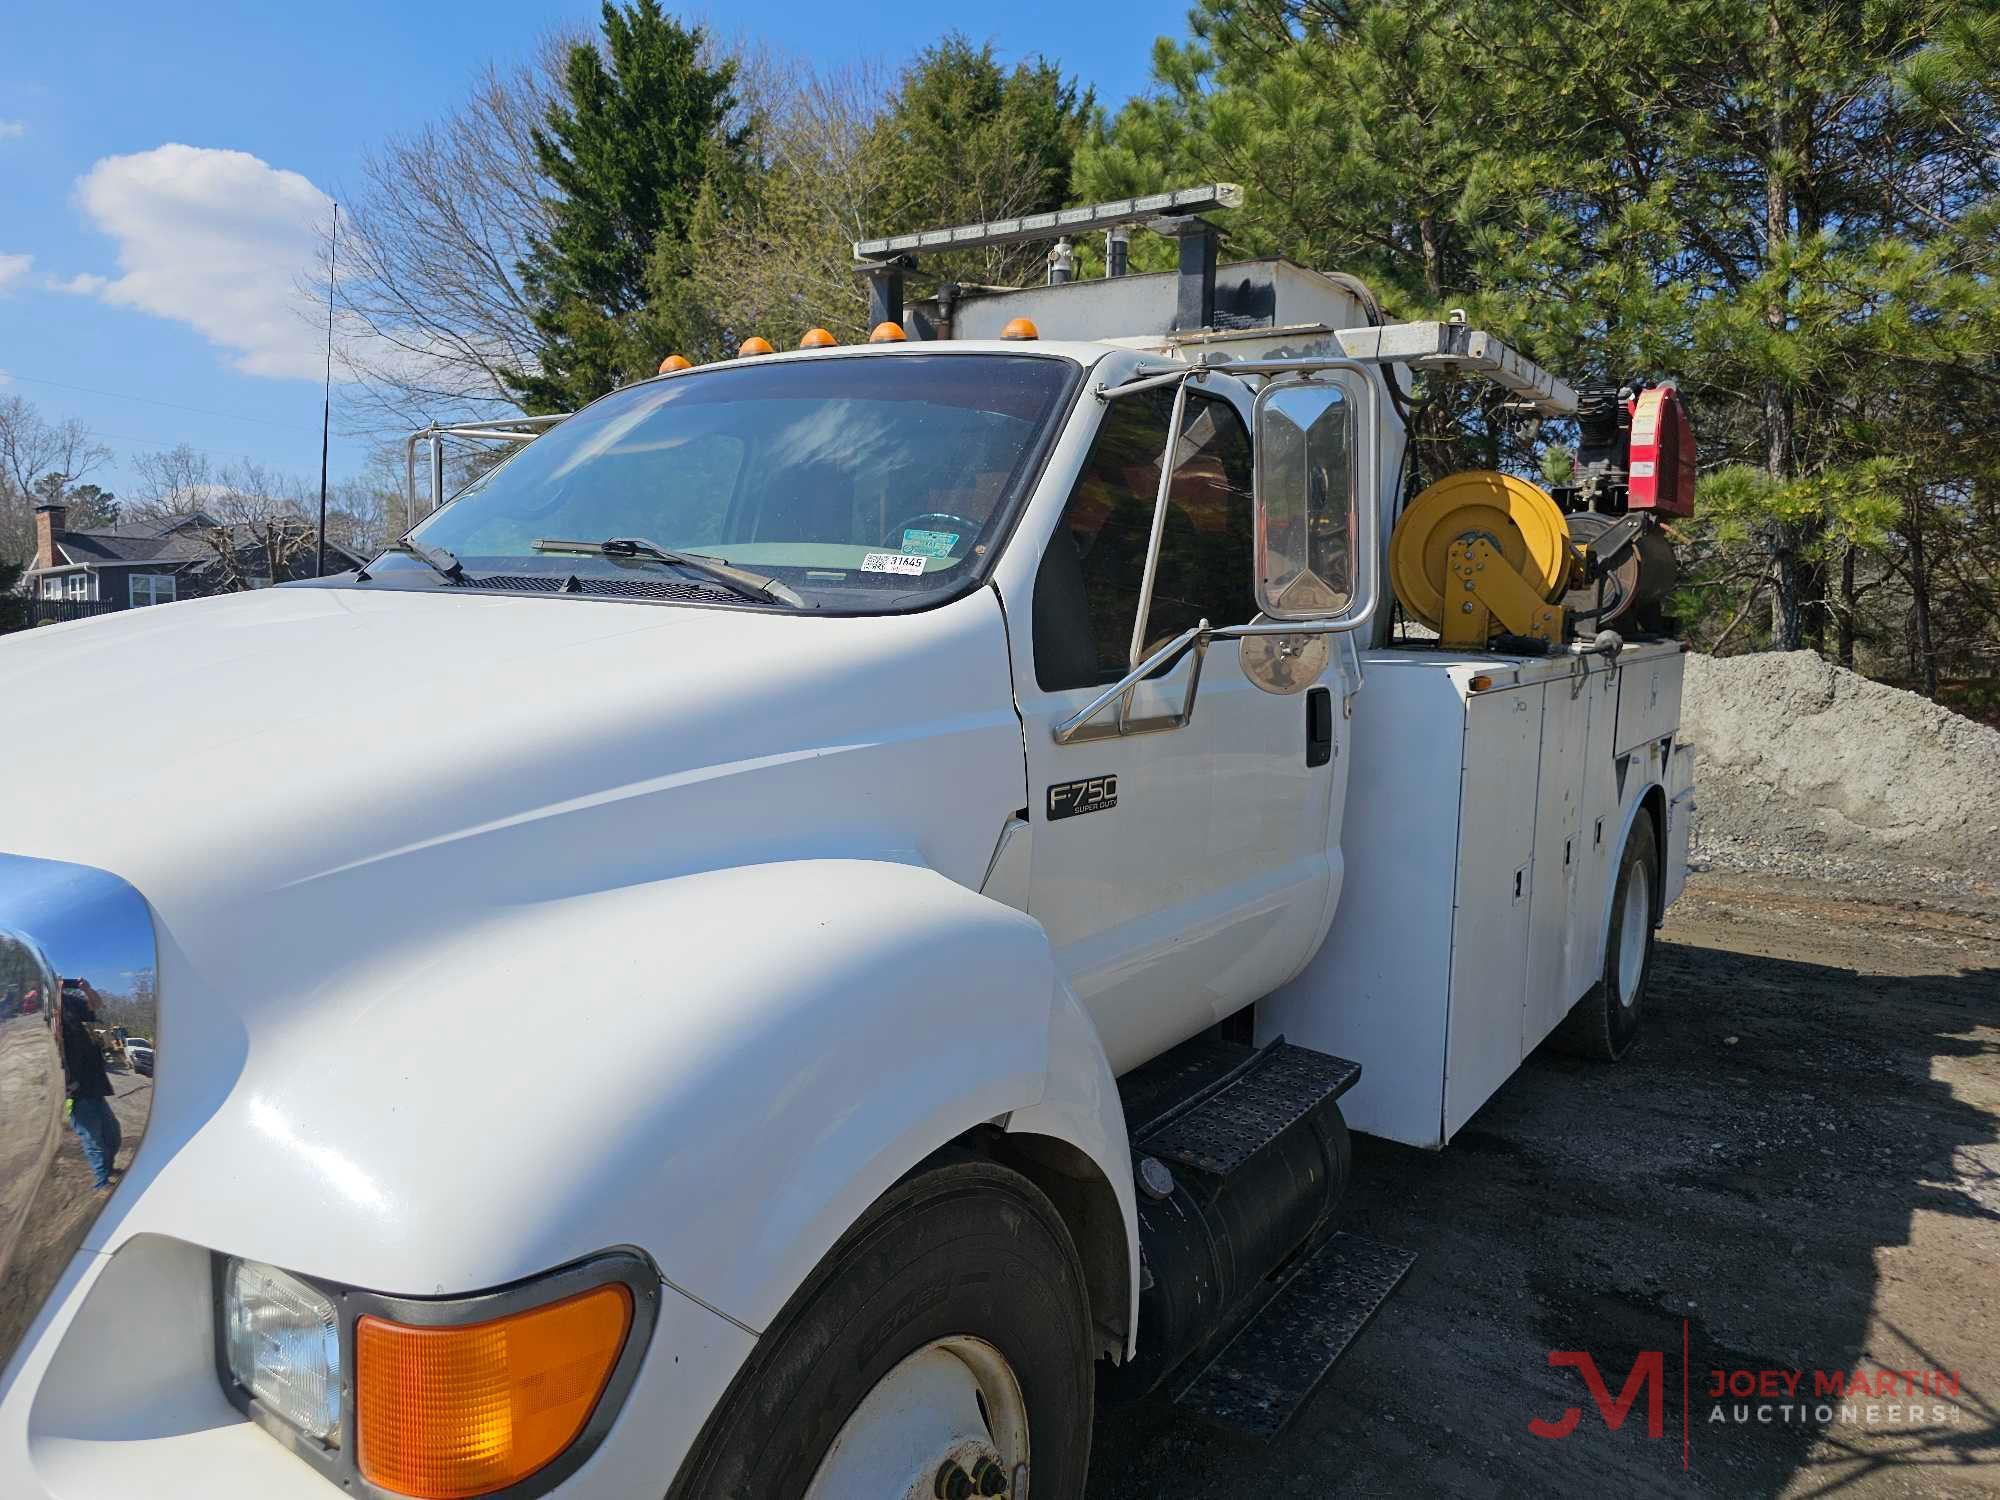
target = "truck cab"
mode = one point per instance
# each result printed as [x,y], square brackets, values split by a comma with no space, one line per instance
[827,912]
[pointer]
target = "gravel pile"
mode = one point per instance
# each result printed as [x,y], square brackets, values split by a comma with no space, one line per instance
[1804,768]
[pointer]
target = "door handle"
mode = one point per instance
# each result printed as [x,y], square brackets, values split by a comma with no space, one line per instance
[1319,726]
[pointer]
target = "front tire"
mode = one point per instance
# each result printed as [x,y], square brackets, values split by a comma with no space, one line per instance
[950,1326]
[1605,1022]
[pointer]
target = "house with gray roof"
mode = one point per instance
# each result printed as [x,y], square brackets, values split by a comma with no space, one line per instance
[138,563]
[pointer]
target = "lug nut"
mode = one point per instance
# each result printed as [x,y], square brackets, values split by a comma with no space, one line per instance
[952,1483]
[990,1477]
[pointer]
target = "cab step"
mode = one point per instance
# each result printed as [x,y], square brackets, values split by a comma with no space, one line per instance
[1241,1158]
[1236,1114]
[1258,1381]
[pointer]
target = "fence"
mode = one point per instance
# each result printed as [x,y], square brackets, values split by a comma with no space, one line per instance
[26,613]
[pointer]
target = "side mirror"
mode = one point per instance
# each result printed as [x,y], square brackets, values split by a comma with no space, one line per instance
[1315,498]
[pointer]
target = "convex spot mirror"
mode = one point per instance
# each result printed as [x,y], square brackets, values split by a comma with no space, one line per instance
[1314,489]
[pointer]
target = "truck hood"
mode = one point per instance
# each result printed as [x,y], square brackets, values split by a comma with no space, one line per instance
[260,740]
[329,797]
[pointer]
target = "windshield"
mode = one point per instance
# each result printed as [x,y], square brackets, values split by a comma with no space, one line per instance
[862,483]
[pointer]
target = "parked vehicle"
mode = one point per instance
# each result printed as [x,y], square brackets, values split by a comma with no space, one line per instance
[848,902]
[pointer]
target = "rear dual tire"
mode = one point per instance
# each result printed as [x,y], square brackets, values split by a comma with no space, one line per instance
[1605,1023]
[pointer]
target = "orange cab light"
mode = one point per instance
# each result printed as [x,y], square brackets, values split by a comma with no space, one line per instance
[753,345]
[675,362]
[1020,328]
[1481,683]
[818,338]
[449,1411]
[887,332]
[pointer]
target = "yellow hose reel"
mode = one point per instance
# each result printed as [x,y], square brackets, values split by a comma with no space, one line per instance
[1481,553]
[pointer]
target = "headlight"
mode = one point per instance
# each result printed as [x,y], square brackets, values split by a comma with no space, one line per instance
[437,1397]
[283,1342]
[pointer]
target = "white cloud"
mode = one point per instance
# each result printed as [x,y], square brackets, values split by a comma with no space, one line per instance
[13,268]
[83,285]
[13,130]
[218,240]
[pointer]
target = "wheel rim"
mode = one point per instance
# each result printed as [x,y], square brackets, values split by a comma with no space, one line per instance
[954,1406]
[1634,925]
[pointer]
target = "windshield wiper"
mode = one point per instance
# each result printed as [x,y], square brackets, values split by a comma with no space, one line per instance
[754,584]
[439,559]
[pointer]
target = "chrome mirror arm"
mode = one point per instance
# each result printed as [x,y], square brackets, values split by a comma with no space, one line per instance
[1169,462]
[1083,725]
[1140,383]
[1079,726]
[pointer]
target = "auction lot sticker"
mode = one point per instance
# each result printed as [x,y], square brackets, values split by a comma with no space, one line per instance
[892,562]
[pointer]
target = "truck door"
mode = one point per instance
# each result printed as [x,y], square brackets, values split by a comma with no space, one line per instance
[1180,873]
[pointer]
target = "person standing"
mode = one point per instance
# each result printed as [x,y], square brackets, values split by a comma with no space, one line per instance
[88,1084]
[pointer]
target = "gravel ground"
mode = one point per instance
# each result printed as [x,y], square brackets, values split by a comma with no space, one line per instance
[1805,769]
[1799,1165]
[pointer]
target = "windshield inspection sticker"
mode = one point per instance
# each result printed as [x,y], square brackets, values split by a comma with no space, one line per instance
[930,543]
[893,562]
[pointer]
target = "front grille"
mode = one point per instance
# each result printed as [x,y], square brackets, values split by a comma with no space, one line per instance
[603,588]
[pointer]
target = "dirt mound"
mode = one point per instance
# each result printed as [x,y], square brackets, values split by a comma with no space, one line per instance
[1808,768]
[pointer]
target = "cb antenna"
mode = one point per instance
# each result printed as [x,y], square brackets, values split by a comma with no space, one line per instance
[326,396]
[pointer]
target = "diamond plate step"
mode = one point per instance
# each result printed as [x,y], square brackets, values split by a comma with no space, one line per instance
[1265,1374]
[1280,1087]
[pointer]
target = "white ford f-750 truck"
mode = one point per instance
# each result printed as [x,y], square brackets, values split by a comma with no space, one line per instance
[829,912]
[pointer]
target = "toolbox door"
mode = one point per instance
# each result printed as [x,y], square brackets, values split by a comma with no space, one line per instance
[1560,853]
[1494,897]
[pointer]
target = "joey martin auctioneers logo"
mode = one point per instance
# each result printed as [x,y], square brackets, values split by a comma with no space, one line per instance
[1739,1396]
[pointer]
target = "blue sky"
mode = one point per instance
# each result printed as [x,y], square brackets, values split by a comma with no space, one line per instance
[126,314]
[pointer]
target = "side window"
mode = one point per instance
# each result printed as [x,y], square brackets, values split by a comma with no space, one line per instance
[1087,591]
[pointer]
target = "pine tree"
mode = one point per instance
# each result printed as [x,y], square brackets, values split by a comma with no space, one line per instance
[964,140]
[957,138]
[1788,206]
[91,507]
[639,131]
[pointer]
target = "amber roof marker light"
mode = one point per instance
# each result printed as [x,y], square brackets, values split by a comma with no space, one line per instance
[755,344]
[887,332]
[818,338]
[1020,328]
[675,362]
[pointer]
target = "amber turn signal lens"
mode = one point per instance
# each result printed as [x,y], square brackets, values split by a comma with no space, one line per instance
[1481,683]
[886,332]
[818,338]
[1020,328]
[445,1412]
[675,362]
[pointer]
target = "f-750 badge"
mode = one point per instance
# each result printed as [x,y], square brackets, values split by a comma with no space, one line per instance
[1098,794]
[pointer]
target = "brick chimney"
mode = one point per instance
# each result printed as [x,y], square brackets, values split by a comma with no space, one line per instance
[49,519]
